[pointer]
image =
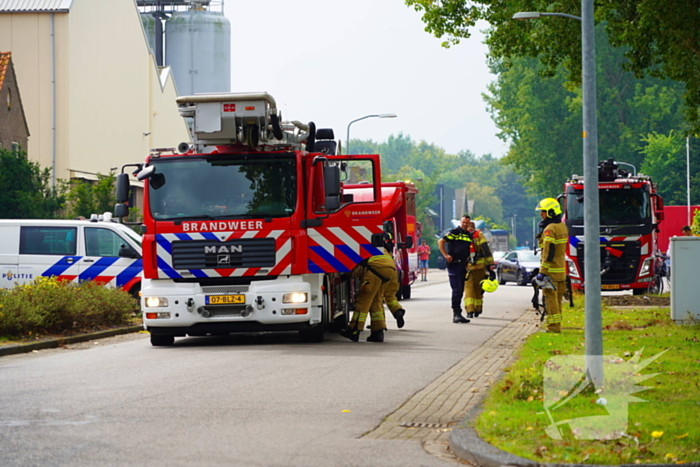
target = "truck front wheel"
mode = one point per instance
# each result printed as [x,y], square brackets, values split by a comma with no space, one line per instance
[158,340]
[313,334]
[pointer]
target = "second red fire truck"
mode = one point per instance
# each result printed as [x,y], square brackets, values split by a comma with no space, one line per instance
[630,212]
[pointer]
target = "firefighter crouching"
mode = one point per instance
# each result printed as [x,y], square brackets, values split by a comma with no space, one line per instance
[553,240]
[378,278]
[480,264]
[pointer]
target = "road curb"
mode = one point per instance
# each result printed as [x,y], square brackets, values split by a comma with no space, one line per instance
[61,341]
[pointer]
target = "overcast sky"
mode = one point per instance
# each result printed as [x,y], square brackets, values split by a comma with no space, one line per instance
[331,62]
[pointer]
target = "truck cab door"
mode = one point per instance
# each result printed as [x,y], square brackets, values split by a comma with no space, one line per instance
[340,229]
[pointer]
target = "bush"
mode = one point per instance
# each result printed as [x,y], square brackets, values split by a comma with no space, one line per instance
[50,306]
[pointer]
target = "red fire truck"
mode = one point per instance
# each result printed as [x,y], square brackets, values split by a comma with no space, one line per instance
[399,215]
[249,228]
[630,212]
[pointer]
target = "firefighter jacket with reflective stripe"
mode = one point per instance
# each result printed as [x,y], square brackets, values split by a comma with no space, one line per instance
[375,264]
[483,256]
[459,244]
[554,239]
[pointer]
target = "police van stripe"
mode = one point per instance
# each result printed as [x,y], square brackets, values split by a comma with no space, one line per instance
[62,265]
[97,268]
[131,271]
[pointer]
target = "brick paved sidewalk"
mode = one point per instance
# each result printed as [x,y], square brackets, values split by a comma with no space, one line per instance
[430,414]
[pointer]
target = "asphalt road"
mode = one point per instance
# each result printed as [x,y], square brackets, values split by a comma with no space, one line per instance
[247,400]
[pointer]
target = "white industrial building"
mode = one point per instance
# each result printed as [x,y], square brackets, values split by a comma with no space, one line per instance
[93,94]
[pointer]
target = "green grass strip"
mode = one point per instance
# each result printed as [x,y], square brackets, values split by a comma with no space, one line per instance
[658,424]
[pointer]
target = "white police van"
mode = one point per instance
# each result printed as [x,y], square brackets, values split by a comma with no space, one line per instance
[73,250]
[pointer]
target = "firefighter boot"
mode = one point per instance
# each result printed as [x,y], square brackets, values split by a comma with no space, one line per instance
[400,322]
[352,334]
[459,319]
[470,314]
[376,336]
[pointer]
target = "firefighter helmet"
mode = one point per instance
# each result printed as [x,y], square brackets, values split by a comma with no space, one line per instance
[488,285]
[550,205]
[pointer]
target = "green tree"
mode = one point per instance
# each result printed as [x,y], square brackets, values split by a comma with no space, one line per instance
[660,38]
[26,190]
[486,203]
[395,152]
[91,197]
[541,116]
[665,162]
[538,116]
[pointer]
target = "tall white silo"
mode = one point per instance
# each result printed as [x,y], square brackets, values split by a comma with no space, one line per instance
[149,28]
[198,49]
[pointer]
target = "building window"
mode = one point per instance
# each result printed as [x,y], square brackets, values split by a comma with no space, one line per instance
[15,146]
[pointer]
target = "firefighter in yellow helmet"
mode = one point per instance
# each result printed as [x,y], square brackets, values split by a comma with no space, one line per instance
[375,274]
[480,264]
[554,239]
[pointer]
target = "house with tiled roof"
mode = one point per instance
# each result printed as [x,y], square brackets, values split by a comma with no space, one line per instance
[14,133]
[93,95]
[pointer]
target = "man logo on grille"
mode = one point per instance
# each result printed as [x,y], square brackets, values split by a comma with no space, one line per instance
[223,259]
[223,249]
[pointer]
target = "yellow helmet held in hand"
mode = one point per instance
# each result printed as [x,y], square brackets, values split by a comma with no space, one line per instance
[550,205]
[488,285]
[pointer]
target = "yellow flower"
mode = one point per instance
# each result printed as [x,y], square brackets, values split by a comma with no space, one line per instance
[657,434]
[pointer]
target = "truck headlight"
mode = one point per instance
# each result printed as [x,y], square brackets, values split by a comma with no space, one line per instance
[156,302]
[295,297]
[646,267]
[572,268]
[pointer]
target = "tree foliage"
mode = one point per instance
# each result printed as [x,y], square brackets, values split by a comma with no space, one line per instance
[660,39]
[497,191]
[91,197]
[541,116]
[26,189]
[665,162]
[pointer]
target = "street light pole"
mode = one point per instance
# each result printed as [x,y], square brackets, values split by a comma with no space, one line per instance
[591,220]
[347,139]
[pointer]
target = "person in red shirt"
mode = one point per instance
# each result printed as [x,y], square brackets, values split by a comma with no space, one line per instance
[423,257]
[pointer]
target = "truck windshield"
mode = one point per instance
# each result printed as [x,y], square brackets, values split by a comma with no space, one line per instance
[223,187]
[617,206]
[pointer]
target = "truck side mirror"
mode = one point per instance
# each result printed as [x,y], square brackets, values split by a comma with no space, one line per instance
[122,189]
[377,240]
[331,184]
[121,210]
[408,244]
